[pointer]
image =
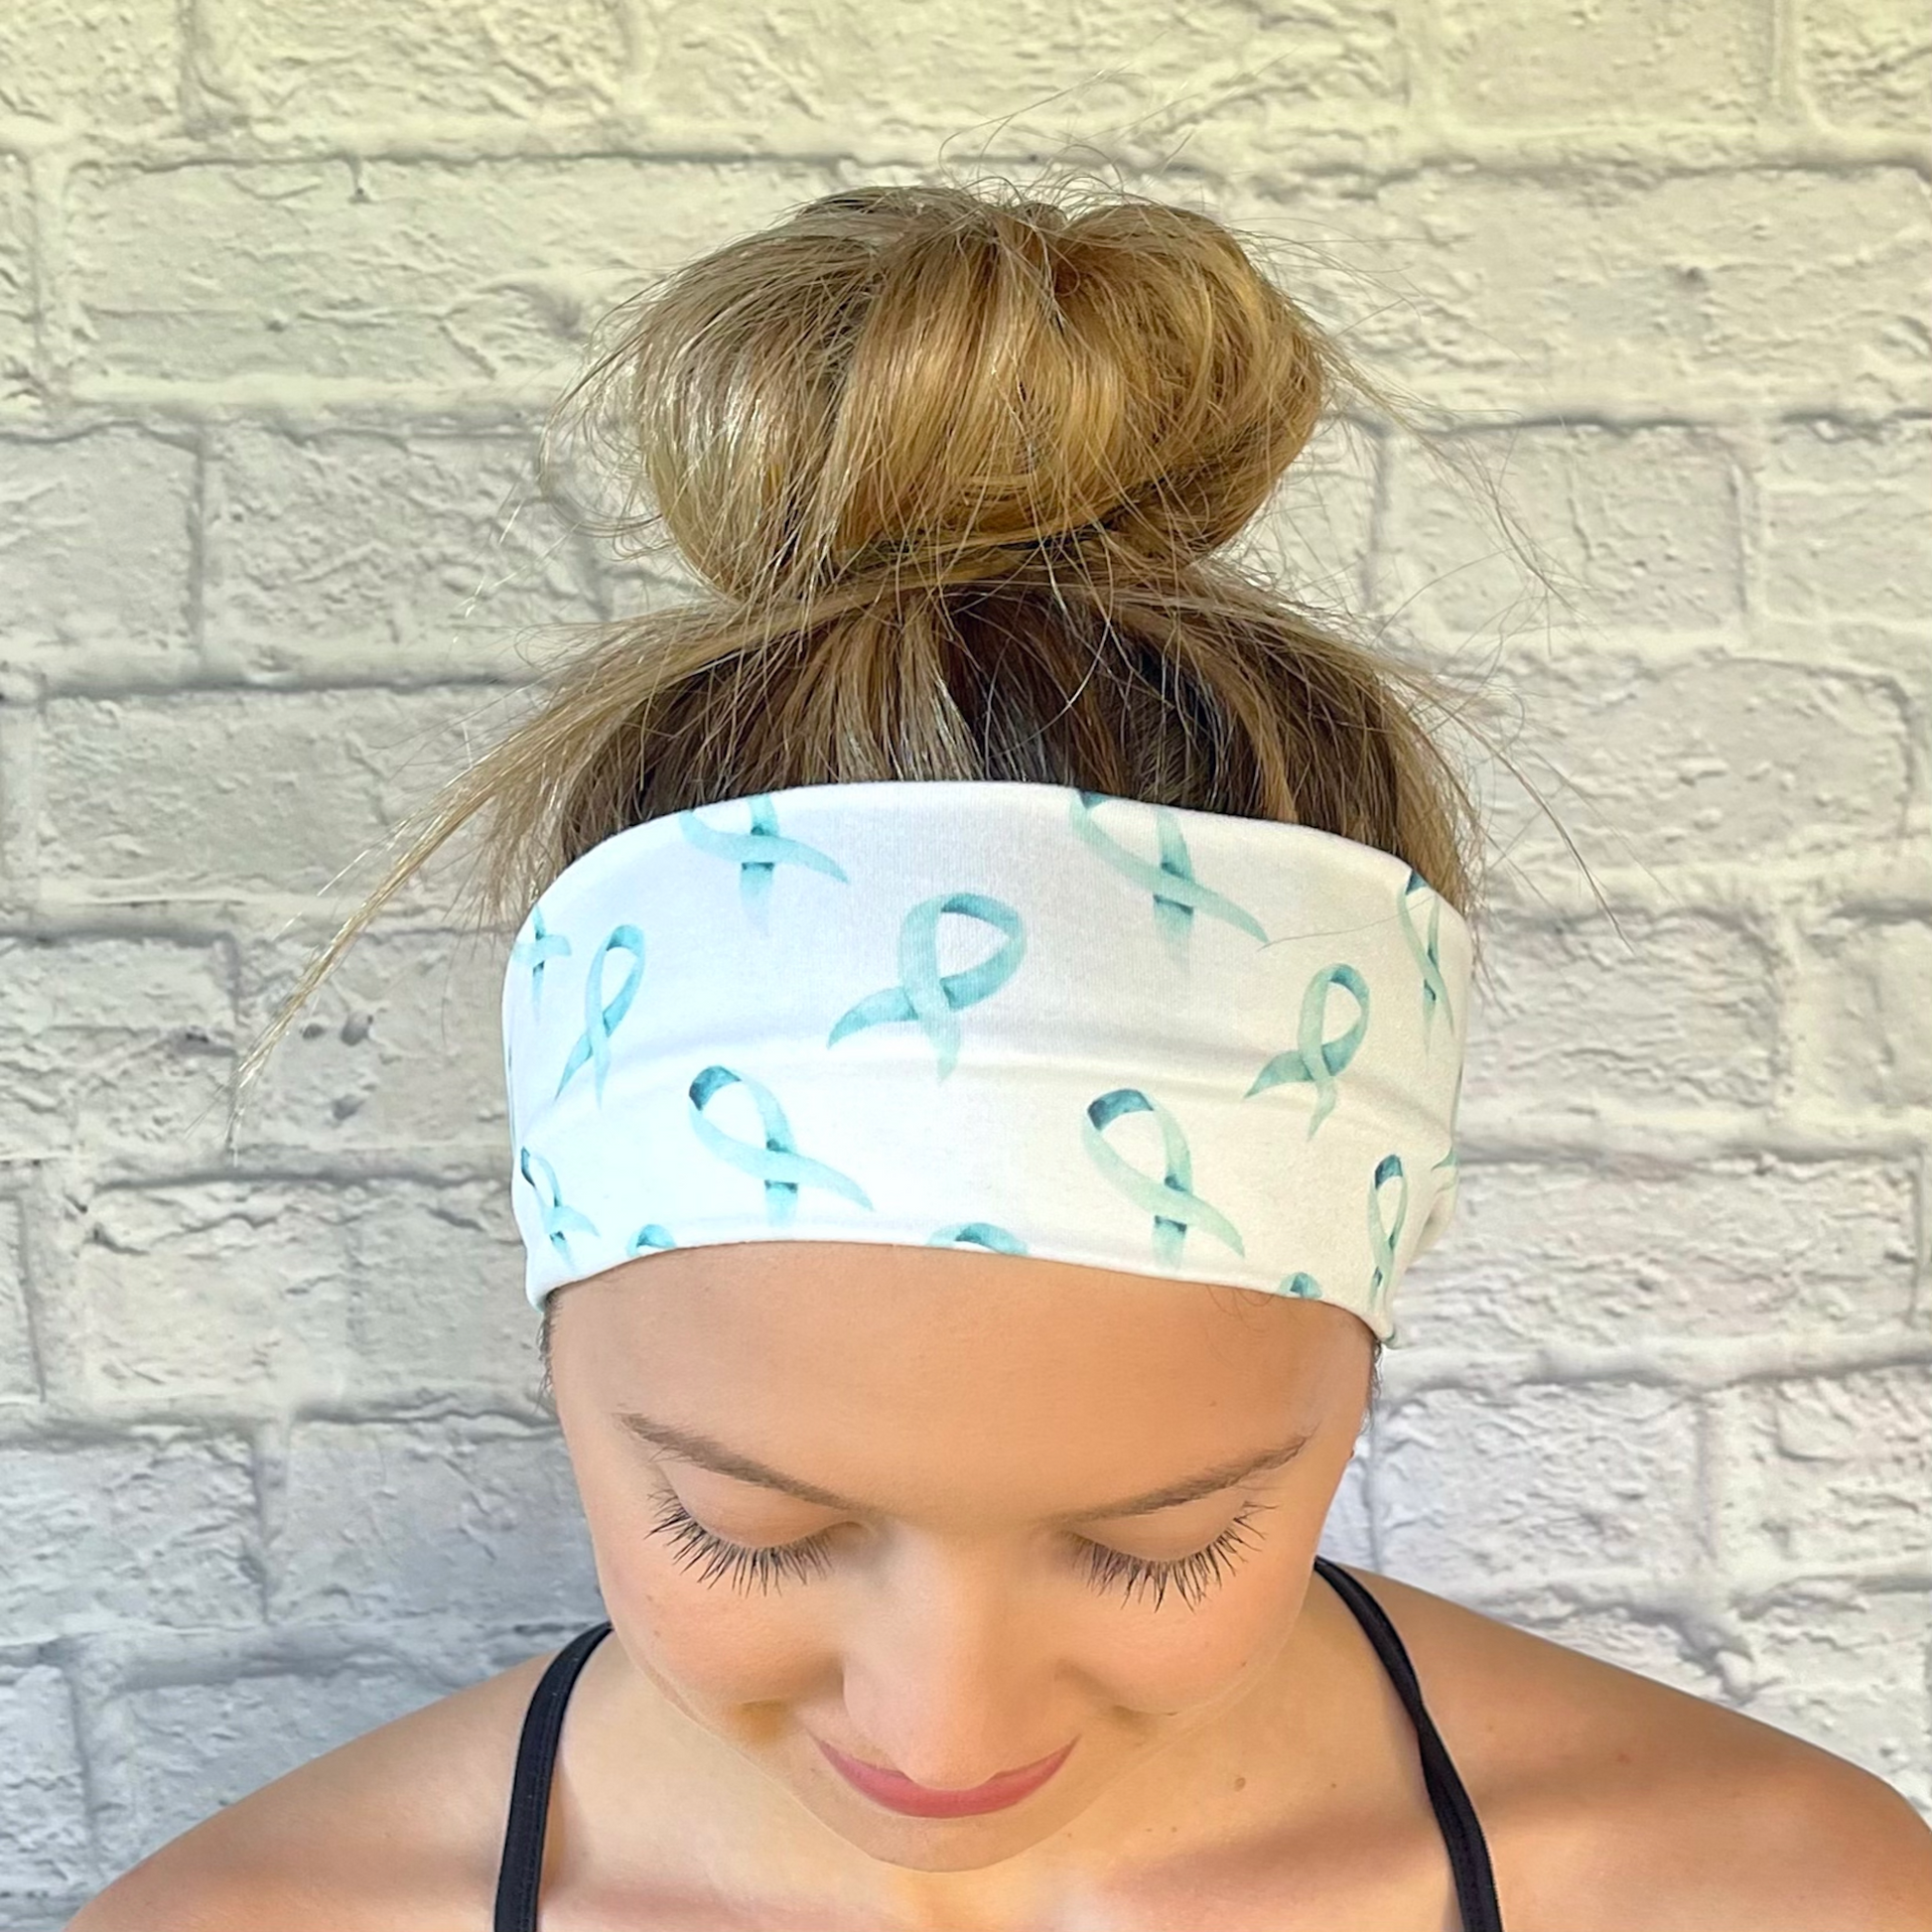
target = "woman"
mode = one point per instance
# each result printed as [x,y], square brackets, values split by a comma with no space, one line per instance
[983,1043]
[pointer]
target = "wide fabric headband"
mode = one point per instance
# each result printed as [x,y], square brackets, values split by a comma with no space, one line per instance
[1023,1017]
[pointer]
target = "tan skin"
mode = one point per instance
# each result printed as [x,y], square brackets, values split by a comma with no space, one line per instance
[1240,1762]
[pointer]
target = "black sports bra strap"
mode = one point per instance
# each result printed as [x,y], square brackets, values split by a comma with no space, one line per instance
[1468,1851]
[520,1874]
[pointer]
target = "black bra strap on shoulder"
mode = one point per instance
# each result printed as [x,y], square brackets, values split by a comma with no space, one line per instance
[520,1874]
[1468,1851]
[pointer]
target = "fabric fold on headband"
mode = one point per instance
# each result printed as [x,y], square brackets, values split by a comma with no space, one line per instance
[1021,1018]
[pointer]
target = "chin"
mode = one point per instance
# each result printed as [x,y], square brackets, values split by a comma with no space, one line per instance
[943,1844]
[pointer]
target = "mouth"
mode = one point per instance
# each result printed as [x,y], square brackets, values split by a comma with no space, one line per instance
[915,1800]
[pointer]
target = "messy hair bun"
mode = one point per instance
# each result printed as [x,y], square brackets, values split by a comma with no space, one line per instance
[918,387]
[954,469]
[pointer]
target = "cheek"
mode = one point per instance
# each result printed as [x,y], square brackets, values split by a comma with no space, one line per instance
[718,1645]
[1167,1660]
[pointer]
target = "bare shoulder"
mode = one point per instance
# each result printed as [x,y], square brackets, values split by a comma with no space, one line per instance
[398,1828]
[1612,1800]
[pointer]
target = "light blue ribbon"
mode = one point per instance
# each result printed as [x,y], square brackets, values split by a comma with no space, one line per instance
[1305,1286]
[779,1163]
[1313,1057]
[558,1220]
[1170,1201]
[924,994]
[650,1235]
[601,1019]
[541,945]
[1381,1239]
[758,852]
[978,1234]
[1434,989]
[1178,894]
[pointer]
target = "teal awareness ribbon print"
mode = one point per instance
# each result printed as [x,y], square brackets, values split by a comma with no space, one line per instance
[758,853]
[1171,1200]
[777,1163]
[1382,1238]
[1315,1057]
[1428,954]
[977,1234]
[559,1221]
[929,995]
[602,1018]
[541,946]
[1178,894]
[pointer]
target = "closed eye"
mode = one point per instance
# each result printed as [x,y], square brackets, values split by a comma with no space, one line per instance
[767,1567]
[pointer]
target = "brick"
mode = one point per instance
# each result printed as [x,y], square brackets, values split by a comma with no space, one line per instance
[1544,1256]
[19,1374]
[37,1912]
[105,65]
[1834,1472]
[388,275]
[1757,289]
[115,1044]
[96,548]
[1866,64]
[1860,1025]
[145,1529]
[1639,528]
[399,1520]
[1843,513]
[48,1845]
[339,553]
[309,59]
[1517,64]
[1737,755]
[1846,1671]
[751,74]
[264,1296]
[1548,1479]
[184,797]
[402,1045]
[182,1752]
[1676,1010]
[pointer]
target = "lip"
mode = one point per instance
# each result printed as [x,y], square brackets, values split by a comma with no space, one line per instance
[915,1800]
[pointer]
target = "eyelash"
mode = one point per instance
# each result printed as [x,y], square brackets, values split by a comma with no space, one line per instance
[1191,1577]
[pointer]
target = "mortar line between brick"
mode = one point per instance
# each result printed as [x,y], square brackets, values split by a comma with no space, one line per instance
[47,173]
[1431,138]
[1787,89]
[92,1795]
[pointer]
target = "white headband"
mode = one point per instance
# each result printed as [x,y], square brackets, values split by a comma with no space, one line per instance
[1030,1018]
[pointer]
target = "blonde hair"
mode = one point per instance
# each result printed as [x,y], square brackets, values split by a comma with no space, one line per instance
[955,467]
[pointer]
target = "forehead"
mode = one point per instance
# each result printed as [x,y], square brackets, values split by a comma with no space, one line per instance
[869,1367]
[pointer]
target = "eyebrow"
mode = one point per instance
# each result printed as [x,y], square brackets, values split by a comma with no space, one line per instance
[691,1446]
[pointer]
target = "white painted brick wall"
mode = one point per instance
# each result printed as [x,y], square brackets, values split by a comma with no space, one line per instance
[283,286]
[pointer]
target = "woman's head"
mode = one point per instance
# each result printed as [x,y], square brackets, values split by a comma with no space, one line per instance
[955,472]
[973,1576]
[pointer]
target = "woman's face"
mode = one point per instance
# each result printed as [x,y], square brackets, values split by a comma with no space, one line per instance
[960,1586]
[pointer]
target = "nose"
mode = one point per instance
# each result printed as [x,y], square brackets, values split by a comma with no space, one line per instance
[945,1679]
